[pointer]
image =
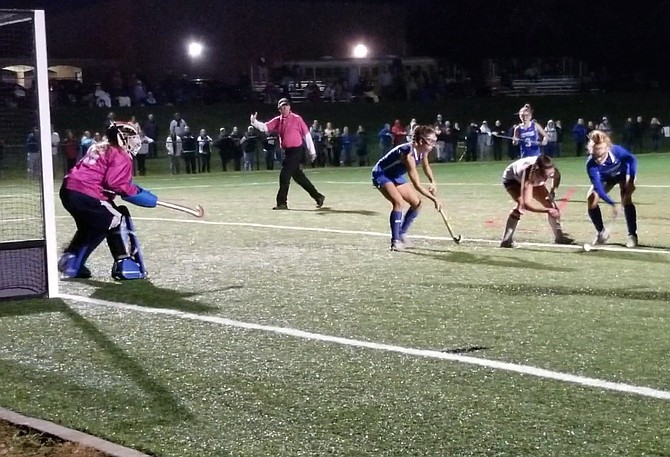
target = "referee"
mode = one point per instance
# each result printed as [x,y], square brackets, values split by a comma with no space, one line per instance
[293,137]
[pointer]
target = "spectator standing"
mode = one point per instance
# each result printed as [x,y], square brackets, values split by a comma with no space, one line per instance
[71,150]
[559,137]
[55,143]
[237,151]
[189,146]
[385,139]
[205,151]
[142,154]
[580,136]
[33,154]
[638,134]
[150,129]
[174,149]
[347,145]
[226,146]
[497,141]
[249,143]
[361,146]
[627,135]
[399,133]
[270,150]
[550,148]
[293,137]
[655,131]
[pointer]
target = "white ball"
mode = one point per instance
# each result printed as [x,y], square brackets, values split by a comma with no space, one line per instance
[587,247]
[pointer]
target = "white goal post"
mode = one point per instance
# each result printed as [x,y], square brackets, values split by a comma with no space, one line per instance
[28,252]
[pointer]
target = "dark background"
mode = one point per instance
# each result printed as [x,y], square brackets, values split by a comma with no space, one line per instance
[627,38]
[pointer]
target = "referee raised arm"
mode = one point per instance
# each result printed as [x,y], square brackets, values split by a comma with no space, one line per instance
[293,138]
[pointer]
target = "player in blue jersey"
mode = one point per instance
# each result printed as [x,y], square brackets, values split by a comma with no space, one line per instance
[608,165]
[389,176]
[525,181]
[527,134]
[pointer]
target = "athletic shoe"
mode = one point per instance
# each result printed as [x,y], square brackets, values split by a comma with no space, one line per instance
[632,241]
[397,245]
[319,200]
[602,236]
[564,239]
[406,242]
[280,207]
[507,244]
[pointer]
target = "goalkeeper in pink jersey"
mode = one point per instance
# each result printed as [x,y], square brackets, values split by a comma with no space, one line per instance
[88,193]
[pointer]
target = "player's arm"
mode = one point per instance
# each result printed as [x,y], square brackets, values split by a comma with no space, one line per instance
[413,174]
[596,180]
[543,133]
[630,163]
[428,171]
[118,181]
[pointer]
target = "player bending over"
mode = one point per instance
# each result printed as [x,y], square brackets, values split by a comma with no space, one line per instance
[389,176]
[608,165]
[88,192]
[524,180]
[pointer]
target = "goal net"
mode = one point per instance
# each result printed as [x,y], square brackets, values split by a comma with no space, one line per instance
[27,235]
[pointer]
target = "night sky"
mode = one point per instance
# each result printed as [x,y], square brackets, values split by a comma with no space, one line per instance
[627,38]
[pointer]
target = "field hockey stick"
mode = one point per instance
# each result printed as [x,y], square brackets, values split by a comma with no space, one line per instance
[457,239]
[465,149]
[198,211]
[518,140]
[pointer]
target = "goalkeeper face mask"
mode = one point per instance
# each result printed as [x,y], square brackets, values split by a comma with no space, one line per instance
[129,138]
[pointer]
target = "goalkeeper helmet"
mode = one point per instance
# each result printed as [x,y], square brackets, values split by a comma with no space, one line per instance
[126,136]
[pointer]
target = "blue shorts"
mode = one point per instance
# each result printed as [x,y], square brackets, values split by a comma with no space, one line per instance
[381,179]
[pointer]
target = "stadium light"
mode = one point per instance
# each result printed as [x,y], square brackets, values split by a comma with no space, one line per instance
[195,49]
[360,51]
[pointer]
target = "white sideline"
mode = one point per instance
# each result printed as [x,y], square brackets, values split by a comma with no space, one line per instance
[486,363]
[465,240]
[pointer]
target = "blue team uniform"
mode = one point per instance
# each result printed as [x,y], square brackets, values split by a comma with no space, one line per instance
[613,170]
[529,141]
[391,167]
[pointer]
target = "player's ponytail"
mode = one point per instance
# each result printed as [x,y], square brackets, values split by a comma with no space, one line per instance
[596,138]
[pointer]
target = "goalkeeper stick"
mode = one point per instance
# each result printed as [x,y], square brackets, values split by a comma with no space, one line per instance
[198,211]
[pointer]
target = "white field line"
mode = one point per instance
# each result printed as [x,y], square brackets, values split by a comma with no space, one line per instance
[367,183]
[574,247]
[486,363]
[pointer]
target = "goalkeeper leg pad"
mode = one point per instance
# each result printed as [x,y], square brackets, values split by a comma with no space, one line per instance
[125,247]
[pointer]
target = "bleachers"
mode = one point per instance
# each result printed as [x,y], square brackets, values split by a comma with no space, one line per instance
[564,85]
[296,89]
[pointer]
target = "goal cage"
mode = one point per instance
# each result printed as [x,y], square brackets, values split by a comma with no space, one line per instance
[28,264]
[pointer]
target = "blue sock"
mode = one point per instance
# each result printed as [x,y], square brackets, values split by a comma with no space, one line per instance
[597,218]
[631,218]
[396,221]
[410,215]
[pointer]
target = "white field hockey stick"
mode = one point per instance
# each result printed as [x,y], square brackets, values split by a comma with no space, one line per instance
[198,211]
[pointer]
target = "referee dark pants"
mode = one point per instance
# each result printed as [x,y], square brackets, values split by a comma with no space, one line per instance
[291,169]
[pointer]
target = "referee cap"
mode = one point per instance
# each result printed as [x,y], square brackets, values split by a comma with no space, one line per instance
[282,102]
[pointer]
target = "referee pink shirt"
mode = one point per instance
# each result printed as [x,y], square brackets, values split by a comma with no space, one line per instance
[291,129]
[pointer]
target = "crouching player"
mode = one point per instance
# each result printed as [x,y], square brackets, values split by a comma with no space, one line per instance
[389,176]
[87,193]
[524,181]
[608,165]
